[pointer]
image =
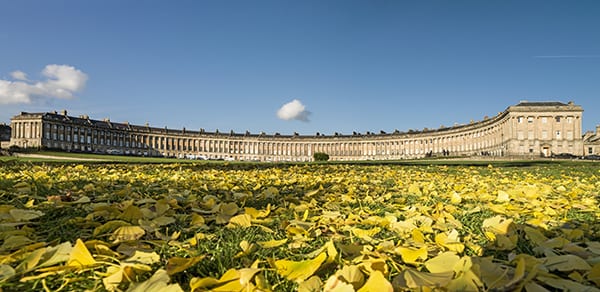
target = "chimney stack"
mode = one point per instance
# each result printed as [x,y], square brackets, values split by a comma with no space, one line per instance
[64,113]
[598,130]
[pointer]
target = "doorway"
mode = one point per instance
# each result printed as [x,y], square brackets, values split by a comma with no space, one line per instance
[546,151]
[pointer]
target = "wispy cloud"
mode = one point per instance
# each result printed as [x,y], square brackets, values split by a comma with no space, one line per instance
[62,81]
[19,75]
[567,56]
[293,110]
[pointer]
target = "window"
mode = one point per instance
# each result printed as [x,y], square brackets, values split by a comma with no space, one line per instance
[529,120]
[557,119]
[569,135]
[519,120]
[530,135]
[544,120]
[520,135]
[590,150]
[557,134]
[544,134]
[570,120]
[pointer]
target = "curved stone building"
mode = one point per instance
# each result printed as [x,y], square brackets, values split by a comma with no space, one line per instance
[591,142]
[526,129]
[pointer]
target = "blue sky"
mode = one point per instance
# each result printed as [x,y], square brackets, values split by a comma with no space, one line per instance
[354,65]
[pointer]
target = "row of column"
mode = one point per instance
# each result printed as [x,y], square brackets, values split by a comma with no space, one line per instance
[26,130]
[460,143]
[89,136]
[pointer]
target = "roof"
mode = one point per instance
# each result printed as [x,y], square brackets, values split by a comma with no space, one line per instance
[592,139]
[541,103]
[545,106]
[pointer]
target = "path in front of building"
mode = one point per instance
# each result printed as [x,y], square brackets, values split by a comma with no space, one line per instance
[28,155]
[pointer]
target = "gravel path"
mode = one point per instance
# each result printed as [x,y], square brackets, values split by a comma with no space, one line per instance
[54,157]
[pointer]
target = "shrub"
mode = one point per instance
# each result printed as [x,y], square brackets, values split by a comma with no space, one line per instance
[320,156]
[14,148]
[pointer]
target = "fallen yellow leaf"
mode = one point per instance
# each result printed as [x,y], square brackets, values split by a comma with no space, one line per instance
[442,263]
[376,283]
[157,283]
[80,256]
[272,243]
[127,233]
[411,255]
[179,264]
[299,270]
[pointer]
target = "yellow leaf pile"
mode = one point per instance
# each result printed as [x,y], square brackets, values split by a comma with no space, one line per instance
[256,227]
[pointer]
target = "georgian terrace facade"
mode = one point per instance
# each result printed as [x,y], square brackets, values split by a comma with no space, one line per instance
[525,129]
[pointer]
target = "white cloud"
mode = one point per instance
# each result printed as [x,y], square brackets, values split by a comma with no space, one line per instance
[62,81]
[19,75]
[293,110]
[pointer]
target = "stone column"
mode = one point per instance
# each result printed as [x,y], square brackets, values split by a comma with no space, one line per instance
[29,129]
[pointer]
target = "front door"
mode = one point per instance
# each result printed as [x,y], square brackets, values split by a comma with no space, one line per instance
[545,151]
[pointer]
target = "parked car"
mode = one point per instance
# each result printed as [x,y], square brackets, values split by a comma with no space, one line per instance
[564,156]
[114,151]
[592,157]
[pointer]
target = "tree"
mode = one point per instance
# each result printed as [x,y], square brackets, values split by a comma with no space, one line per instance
[320,156]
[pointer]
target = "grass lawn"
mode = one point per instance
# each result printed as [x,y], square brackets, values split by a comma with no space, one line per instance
[459,225]
[100,158]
